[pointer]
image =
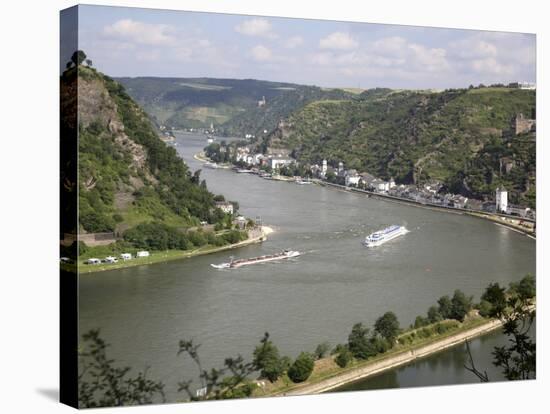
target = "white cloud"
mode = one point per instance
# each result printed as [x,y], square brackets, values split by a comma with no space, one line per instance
[142,33]
[294,42]
[394,45]
[429,59]
[338,41]
[256,27]
[491,66]
[261,53]
[496,55]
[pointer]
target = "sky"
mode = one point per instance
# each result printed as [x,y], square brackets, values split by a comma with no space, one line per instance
[147,42]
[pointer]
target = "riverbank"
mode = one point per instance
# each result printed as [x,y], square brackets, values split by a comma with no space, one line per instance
[501,219]
[327,376]
[165,256]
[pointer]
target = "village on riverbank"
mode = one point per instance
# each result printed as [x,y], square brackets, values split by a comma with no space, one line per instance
[280,166]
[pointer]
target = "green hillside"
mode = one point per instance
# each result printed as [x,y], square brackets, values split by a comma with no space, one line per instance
[231,105]
[457,136]
[127,175]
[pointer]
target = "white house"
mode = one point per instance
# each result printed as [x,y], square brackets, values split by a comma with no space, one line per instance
[225,206]
[352,180]
[276,163]
[501,200]
[380,185]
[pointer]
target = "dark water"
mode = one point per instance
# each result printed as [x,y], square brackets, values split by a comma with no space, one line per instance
[144,311]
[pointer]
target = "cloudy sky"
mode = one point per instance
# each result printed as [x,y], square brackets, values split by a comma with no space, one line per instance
[144,42]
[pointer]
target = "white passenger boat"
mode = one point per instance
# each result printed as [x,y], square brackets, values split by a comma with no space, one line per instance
[382,236]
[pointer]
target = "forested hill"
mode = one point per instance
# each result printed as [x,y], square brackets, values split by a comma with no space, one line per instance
[462,137]
[231,105]
[127,175]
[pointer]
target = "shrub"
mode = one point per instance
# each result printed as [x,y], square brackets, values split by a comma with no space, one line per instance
[337,349]
[302,368]
[118,218]
[419,322]
[321,350]
[434,315]
[359,344]
[343,358]
[525,289]
[485,309]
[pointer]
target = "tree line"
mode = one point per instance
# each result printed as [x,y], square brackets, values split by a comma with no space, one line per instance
[101,383]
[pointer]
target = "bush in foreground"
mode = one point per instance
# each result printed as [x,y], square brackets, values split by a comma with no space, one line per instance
[343,358]
[302,368]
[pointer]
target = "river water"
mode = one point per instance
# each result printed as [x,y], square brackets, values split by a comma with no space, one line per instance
[143,312]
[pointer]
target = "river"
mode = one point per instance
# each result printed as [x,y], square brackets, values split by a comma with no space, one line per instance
[144,311]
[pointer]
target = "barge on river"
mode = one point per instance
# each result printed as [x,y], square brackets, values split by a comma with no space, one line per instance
[234,264]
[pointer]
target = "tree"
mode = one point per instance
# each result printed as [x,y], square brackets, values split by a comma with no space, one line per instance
[215,383]
[420,321]
[102,384]
[344,357]
[321,350]
[434,315]
[78,57]
[460,305]
[525,289]
[517,360]
[445,306]
[359,344]
[267,359]
[493,300]
[387,326]
[302,368]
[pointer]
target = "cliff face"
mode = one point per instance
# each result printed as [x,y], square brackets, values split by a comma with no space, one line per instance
[127,175]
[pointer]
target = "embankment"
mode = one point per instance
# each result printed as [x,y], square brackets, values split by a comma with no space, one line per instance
[254,236]
[376,366]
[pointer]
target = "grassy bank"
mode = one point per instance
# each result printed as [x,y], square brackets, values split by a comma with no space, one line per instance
[327,375]
[168,255]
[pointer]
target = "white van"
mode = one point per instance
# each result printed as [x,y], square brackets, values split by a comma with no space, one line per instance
[110,259]
[93,261]
[126,256]
[143,253]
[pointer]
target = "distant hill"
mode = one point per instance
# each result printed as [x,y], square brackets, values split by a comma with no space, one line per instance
[127,175]
[462,137]
[231,105]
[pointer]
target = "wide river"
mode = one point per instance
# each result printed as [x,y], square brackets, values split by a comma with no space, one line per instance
[144,311]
